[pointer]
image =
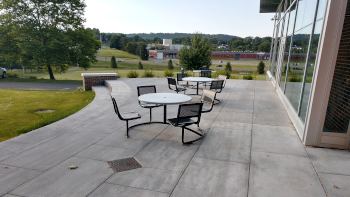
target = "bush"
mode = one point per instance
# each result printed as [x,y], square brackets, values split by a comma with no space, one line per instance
[32,77]
[248,77]
[170,65]
[132,74]
[168,73]
[189,74]
[148,73]
[113,62]
[140,66]
[80,89]
[234,77]
[228,67]
[254,75]
[11,75]
[294,78]
[261,67]
[221,72]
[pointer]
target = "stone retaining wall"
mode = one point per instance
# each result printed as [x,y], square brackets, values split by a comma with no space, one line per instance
[95,79]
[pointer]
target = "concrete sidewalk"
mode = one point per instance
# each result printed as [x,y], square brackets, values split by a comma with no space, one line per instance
[251,149]
[39,86]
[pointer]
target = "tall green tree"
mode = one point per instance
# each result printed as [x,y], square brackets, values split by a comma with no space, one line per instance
[228,67]
[113,62]
[261,67]
[51,32]
[170,65]
[140,66]
[143,51]
[198,55]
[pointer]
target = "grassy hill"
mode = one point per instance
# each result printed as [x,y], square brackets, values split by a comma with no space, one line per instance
[118,54]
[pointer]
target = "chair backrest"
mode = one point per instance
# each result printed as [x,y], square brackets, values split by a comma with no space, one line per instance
[193,110]
[172,82]
[180,76]
[203,68]
[208,97]
[116,108]
[141,90]
[205,73]
[217,85]
[222,77]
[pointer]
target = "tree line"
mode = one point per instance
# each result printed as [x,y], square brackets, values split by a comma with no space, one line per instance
[135,46]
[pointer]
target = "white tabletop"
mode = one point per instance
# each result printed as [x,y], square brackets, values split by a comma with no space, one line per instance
[198,71]
[164,98]
[198,79]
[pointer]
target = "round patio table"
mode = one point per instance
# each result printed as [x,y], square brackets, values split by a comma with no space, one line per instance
[164,99]
[198,79]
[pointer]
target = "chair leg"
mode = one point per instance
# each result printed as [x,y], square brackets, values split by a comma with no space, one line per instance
[150,114]
[190,142]
[218,101]
[127,129]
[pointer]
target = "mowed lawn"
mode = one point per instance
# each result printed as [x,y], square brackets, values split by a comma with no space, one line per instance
[18,109]
[118,54]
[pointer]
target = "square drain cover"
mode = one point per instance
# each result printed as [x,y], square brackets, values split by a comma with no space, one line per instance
[121,165]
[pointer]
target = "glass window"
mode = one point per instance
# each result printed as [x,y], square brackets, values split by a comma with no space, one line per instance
[285,62]
[297,64]
[312,59]
[306,11]
[292,19]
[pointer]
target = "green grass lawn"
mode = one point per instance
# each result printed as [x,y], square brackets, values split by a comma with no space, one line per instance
[18,109]
[118,54]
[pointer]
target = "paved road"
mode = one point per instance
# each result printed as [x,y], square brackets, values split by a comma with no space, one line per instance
[39,86]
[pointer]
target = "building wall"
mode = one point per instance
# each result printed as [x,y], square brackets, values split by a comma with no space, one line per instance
[338,110]
[167,41]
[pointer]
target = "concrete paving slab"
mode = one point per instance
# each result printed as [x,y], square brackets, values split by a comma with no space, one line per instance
[205,177]
[282,175]
[226,145]
[238,107]
[106,153]
[60,181]
[53,152]
[239,117]
[9,195]
[12,177]
[276,118]
[276,139]
[231,125]
[335,185]
[139,136]
[111,190]
[166,155]
[329,160]
[268,105]
[147,178]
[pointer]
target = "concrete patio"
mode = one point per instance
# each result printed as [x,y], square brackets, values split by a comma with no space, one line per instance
[251,149]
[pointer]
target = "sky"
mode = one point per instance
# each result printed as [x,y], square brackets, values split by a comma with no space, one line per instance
[233,17]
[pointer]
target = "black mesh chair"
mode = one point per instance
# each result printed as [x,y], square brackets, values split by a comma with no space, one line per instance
[180,76]
[184,118]
[173,86]
[141,90]
[217,87]
[126,116]
[205,73]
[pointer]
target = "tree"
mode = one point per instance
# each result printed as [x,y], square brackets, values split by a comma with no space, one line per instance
[51,32]
[228,67]
[261,67]
[170,65]
[130,48]
[115,42]
[143,51]
[265,47]
[113,62]
[140,66]
[198,55]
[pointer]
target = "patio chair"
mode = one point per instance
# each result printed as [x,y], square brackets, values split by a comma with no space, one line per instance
[184,118]
[126,116]
[205,73]
[217,87]
[173,86]
[208,97]
[180,76]
[222,77]
[141,90]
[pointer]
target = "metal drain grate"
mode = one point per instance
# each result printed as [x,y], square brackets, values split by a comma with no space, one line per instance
[121,165]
